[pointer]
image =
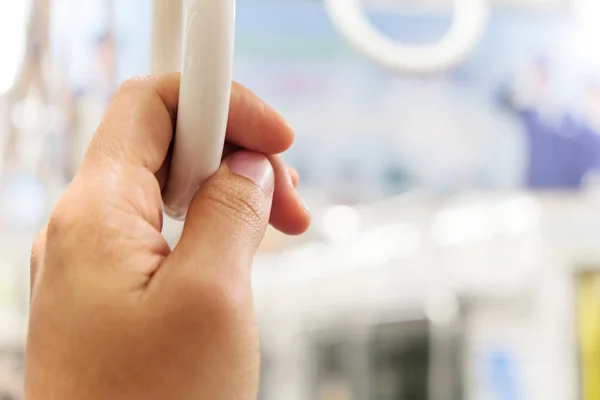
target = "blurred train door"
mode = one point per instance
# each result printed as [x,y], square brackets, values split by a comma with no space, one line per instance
[334,366]
[392,360]
[400,359]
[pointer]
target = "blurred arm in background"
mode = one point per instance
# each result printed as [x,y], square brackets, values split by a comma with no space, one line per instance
[553,152]
[527,91]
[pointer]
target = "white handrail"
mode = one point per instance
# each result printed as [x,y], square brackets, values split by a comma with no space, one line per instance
[470,21]
[195,37]
[167,36]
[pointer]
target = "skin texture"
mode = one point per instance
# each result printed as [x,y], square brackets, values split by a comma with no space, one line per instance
[115,313]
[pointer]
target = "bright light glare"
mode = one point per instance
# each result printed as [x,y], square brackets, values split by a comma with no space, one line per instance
[462,226]
[517,216]
[373,248]
[341,223]
[28,114]
[587,15]
[378,246]
[394,241]
[478,223]
[13,17]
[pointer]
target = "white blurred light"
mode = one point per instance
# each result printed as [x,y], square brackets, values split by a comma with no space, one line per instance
[13,17]
[373,248]
[463,225]
[341,223]
[28,115]
[517,216]
[305,263]
[399,241]
[347,255]
[587,14]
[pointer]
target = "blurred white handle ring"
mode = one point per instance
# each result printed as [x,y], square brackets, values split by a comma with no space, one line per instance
[468,27]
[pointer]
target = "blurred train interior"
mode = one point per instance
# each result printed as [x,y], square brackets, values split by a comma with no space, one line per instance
[449,152]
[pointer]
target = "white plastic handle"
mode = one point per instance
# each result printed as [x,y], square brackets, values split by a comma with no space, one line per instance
[470,21]
[167,36]
[207,28]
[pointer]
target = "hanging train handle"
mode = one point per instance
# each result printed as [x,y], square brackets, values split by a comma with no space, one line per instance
[196,37]
[470,21]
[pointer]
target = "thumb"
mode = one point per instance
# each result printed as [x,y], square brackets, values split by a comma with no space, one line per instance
[229,215]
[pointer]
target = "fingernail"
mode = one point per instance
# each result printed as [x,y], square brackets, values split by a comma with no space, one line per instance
[253,166]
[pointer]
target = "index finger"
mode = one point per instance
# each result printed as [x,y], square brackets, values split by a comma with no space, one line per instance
[139,124]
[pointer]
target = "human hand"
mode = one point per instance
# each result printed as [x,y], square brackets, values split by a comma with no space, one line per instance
[115,313]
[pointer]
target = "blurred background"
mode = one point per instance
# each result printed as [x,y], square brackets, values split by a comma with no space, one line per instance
[455,251]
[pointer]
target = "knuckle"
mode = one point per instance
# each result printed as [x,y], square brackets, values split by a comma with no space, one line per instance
[65,221]
[138,87]
[148,92]
[243,204]
[60,223]
[129,86]
[139,83]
